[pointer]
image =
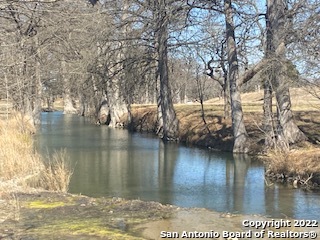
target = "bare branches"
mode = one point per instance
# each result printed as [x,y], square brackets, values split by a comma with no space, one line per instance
[206,5]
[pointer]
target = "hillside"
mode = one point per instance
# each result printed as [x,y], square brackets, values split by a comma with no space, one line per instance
[301,100]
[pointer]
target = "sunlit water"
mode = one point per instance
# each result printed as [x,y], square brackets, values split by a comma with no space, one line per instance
[113,162]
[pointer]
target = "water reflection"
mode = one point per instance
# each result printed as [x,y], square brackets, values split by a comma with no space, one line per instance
[110,162]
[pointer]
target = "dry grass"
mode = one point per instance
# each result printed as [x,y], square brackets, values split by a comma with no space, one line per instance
[21,167]
[304,161]
[300,165]
[17,158]
[5,109]
[57,173]
[301,100]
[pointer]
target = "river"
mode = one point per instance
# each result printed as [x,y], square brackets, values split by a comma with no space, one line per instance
[115,163]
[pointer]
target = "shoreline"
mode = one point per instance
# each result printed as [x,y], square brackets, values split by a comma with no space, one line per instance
[216,135]
[194,133]
[43,214]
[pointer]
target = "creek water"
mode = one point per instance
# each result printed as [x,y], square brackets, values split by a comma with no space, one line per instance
[115,163]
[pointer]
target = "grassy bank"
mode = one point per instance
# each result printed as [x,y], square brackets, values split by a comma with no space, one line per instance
[21,167]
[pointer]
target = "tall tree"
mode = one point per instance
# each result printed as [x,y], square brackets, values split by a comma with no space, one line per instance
[115,80]
[268,119]
[170,124]
[239,131]
[226,9]
[278,25]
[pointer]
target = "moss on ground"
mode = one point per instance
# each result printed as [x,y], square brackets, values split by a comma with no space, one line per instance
[43,204]
[94,227]
[64,216]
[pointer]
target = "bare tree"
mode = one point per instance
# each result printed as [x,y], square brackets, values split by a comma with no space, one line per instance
[278,25]
[239,131]
[22,56]
[220,75]
[305,41]
[170,122]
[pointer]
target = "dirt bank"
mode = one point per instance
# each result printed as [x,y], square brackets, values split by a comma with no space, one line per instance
[46,215]
[216,134]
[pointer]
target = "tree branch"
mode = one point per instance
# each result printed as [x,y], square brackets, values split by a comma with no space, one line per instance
[248,75]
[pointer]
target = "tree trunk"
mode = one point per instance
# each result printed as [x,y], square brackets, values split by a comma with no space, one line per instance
[147,100]
[268,126]
[226,85]
[37,104]
[239,131]
[116,111]
[115,102]
[115,88]
[83,104]
[287,130]
[200,89]
[67,100]
[226,96]
[159,130]
[170,121]
[268,120]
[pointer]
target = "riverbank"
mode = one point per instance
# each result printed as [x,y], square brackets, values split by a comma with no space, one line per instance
[214,132]
[47,215]
[29,213]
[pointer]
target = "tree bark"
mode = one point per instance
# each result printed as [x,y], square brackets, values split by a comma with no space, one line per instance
[249,74]
[268,120]
[287,130]
[225,88]
[37,104]
[239,131]
[67,100]
[116,103]
[115,91]
[169,119]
